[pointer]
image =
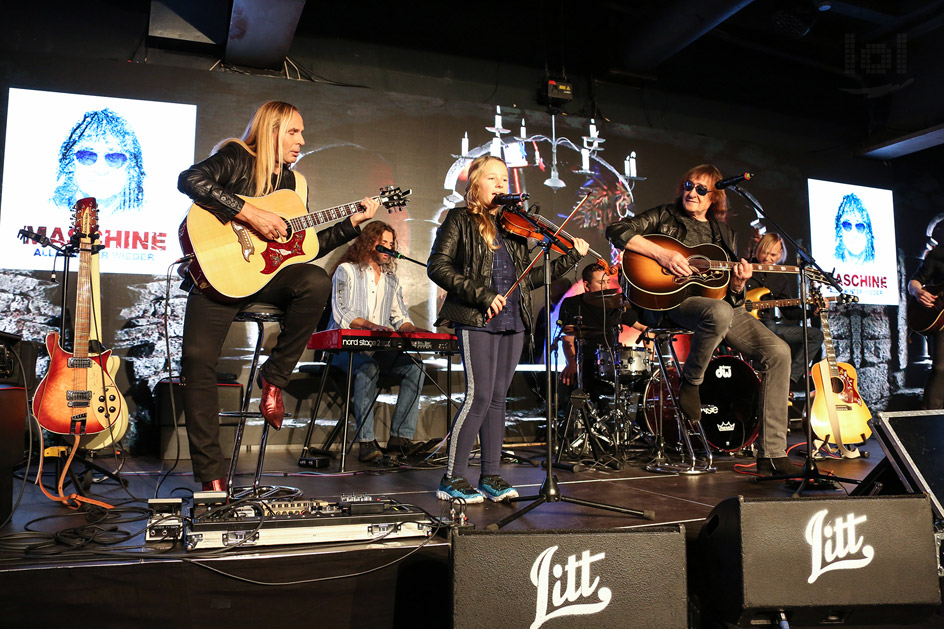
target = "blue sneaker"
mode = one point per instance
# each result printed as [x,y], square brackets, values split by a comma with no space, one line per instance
[495,488]
[457,488]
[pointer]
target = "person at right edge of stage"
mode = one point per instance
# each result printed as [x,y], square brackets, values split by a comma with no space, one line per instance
[477,262]
[930,272]
[691,220]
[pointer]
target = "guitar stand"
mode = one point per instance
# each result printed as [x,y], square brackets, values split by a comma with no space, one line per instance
[659,461]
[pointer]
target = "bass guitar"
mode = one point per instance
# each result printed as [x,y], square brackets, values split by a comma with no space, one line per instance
[654,288]
[922,319]
[231,261]
[754,301]
[838,414]
[78,395]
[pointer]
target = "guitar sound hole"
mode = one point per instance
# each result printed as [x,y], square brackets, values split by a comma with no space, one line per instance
[836,384]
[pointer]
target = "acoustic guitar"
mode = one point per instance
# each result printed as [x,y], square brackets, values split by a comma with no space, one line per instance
[231,261]
[838,414]
[654,288]
[78,395]
[754,301]
[922,319]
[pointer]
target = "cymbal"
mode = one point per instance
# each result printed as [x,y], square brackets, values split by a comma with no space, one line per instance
[608,298]
[582,331]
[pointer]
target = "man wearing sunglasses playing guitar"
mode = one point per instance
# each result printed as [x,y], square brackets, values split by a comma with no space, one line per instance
[255,165]
[693,221]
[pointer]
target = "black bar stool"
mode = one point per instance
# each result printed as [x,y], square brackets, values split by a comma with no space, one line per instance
[260,314]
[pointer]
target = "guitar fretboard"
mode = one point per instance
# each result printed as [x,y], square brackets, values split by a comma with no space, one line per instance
[307,221]
[763,268]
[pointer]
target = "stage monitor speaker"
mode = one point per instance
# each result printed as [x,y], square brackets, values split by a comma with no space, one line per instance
[10,371]
[818,561]
[559,579]
[913,442]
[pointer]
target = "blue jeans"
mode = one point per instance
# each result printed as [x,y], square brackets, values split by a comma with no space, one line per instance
[713,321]
[367,370]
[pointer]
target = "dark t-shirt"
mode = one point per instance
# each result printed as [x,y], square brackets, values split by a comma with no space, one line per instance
[594,317]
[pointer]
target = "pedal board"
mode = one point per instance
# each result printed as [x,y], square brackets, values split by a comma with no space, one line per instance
[214,524]
[165,523]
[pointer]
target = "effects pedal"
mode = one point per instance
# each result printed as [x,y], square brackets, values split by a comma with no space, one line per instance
[165,523]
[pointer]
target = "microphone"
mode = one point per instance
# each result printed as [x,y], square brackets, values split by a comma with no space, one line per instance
[396,254]
[730,181]
[511,199]
[388,251]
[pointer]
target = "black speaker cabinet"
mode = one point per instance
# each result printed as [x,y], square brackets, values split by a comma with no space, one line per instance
[819,561]
[560,579]
[20,372]
[12,441]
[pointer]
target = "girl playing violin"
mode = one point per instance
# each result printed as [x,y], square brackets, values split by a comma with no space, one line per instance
[476,261]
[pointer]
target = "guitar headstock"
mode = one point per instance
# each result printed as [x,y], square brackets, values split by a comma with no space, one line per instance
[816,296]
[85,224]
[845,298]
[392,198]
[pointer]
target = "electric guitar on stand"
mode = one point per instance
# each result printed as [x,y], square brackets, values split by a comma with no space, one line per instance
[230,261]
[78,396]
[838,414]
[754,301]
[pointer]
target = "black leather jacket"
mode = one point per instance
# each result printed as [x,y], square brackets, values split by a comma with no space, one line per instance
[214,183]
[667,220]
[461,263]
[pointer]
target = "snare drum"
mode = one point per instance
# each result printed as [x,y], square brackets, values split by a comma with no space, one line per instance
[630,362]
[730,396]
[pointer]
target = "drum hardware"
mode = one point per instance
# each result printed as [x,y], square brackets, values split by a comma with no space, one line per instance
[608,298]
[659,460]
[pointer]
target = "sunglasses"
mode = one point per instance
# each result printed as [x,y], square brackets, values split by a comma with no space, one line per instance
[859,227]
[87,158]
[700,189]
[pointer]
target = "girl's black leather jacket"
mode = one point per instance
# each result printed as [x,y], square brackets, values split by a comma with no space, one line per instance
[461,263]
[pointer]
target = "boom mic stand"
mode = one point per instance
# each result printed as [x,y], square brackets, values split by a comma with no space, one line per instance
[550,489]
[810,475]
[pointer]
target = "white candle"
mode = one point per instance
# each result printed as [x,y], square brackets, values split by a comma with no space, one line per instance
[632,163]
[584,159]
[498,117]
[593,128]
[495,149]
[524,131]
[465,144]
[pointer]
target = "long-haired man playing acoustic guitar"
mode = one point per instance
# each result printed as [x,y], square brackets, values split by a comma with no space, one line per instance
[692,220]
[254,165]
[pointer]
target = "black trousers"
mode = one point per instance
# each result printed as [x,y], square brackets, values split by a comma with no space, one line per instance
[301,291]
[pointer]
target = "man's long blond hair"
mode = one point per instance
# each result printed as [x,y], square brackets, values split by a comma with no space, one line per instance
[262,138]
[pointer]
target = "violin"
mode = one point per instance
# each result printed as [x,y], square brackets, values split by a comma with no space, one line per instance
[526,227]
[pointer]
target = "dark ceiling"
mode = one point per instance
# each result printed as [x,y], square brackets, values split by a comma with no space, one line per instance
[870,65]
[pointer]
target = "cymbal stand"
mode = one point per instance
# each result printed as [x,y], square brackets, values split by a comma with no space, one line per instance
[659,462]
[582,412]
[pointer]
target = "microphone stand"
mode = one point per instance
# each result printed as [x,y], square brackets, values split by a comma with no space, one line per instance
[550,490]
[810,474]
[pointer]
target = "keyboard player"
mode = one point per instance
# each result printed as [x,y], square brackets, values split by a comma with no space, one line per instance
[366,295]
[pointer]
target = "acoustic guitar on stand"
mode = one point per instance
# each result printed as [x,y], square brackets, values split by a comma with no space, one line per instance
[838,414]
[231,261]
[78,395]
[654,288]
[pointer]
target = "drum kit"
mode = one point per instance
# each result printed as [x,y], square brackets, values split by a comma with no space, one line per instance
[632,414]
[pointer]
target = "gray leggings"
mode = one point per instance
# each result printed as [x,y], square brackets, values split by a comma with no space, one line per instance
[489,360]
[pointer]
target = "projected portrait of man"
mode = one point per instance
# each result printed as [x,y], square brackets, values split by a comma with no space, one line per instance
[855,241]
[101,158]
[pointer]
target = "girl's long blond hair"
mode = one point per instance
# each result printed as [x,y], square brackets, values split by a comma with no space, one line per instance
[262,138]
[478,207]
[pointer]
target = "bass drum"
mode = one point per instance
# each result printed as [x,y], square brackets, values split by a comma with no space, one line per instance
[730,397]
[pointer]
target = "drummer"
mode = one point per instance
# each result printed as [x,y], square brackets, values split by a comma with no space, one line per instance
[597,316]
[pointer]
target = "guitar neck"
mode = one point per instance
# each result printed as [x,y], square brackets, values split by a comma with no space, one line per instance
[830,352]
[313,219]
[778,303]
[762,268]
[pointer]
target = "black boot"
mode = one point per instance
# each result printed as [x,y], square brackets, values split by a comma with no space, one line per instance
[689,401]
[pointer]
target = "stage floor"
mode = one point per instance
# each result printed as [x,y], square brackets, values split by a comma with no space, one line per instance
[674,498]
